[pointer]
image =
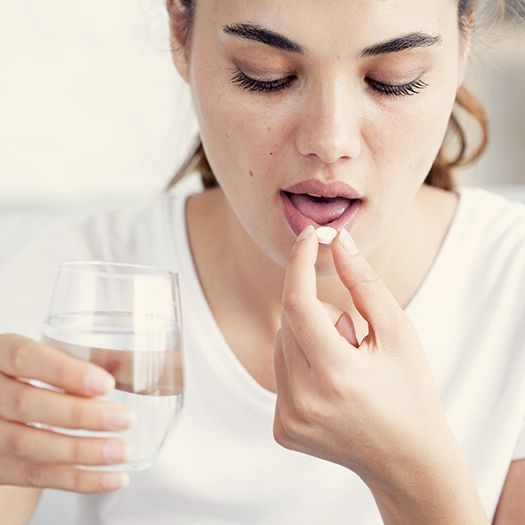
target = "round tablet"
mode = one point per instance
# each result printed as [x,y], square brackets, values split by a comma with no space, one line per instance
[325,234]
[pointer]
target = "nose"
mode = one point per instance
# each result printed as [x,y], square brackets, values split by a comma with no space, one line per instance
[329,126]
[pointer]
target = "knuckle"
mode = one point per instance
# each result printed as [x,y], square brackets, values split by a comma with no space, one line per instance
[35,475]
[303,408]
[20,354]
[20,401]
[290,427]
[311,412]
[295,255]
[76,451]
[293,303]
[15,444]
[401,331]
[341,389]
[369,276]
[62,367]
[78,481]
[396,334]
[283,425]
[280,436]
[78,414]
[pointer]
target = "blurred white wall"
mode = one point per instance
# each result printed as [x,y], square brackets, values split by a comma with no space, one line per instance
[497,77]
[90,102]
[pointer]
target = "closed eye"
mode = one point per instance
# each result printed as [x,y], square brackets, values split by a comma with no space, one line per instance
[397,90]
[274,86]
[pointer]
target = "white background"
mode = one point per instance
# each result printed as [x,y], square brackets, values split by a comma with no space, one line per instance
[90,102]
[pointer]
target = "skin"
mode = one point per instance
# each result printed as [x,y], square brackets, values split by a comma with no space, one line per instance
[259,143]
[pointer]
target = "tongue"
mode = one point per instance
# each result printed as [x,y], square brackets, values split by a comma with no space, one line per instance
[321,210]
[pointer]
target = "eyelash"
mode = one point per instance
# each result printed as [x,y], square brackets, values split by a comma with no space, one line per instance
[273,86]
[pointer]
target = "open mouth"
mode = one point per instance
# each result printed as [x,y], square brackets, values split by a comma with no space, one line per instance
[322,210]
[302,209]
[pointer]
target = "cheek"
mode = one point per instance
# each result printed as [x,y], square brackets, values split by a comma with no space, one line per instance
[242,132]
[409,132]
[403,137]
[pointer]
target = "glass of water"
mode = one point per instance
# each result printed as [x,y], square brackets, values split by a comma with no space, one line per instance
[125,318]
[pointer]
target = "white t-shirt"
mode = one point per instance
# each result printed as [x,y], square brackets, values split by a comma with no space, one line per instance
[221,465]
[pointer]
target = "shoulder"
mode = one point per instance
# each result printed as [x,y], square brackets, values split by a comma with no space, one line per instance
[490,246]
[491,225]
[502,214]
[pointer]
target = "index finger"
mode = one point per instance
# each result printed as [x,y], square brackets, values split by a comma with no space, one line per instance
[372,298]
[24,357]
[310,323]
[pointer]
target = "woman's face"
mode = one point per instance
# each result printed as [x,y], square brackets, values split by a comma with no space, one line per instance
[334,119]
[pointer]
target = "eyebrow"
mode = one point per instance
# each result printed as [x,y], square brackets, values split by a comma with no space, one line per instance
[265,36]
[402,43]
[271,38]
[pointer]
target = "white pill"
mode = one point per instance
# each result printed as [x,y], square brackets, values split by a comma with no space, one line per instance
[325,234]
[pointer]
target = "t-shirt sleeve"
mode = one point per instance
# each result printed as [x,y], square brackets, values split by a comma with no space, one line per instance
[27,277]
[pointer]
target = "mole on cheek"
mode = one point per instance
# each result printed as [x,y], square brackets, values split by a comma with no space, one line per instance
[271,153]
[251,173]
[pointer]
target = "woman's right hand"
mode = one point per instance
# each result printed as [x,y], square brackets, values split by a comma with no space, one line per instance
[33,457]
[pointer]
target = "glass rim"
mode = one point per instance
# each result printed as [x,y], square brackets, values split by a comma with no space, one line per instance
[96,266]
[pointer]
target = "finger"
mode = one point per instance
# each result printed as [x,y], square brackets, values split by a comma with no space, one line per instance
[280,370]
[343,323]
[296,360]
[22,402]
[24,474]
[371,297]
[45,446]
[23,357]
[308,319]
[345,327]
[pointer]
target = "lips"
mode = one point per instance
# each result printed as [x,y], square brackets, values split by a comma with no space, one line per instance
[317,187]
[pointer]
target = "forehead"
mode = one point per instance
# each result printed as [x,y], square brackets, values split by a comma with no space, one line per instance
[338,27]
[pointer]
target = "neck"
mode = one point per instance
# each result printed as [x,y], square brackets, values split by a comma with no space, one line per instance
[249,283]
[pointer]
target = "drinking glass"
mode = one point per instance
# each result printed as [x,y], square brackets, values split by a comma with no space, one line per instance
[125,318]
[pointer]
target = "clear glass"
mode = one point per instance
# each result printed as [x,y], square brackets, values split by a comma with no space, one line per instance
[126,319]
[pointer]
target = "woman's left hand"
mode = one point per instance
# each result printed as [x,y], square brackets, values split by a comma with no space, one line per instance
[372,406]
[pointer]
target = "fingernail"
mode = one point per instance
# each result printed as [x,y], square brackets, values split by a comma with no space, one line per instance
[116,451]
[99,382]
[113,481]
[348,243]
[119,419]
[305,233]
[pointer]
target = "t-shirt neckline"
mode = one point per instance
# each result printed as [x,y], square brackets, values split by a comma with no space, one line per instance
[223,356]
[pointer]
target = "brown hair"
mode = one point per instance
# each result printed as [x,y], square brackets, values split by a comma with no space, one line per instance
[441,174]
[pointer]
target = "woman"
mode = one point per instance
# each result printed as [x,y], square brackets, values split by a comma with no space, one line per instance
[391,360]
